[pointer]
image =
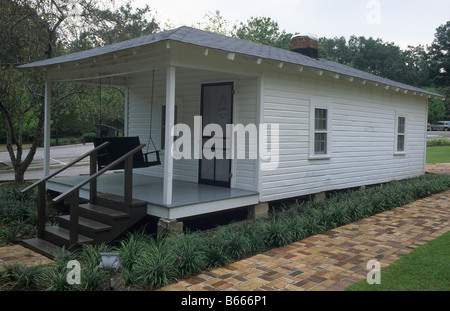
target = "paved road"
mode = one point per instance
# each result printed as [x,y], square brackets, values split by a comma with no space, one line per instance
[438,134]
[59,156]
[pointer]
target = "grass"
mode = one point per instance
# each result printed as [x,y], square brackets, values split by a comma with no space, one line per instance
[438,154]
[18,213]
[150,262]
[425,269]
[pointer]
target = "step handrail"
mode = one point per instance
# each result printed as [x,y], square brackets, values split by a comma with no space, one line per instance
[71,163]
[126,156]
[74,192]
[42,200]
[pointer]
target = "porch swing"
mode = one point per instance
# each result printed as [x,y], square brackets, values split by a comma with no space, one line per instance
[119,146]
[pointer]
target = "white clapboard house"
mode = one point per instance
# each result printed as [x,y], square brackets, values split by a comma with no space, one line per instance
[338,127]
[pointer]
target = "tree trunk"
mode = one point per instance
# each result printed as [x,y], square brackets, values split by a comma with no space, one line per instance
[20,166]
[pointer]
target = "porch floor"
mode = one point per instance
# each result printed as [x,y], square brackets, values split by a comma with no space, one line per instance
[188,198]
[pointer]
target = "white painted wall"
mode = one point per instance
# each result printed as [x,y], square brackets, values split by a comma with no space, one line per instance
[362,135]
[188,100]
[362,129]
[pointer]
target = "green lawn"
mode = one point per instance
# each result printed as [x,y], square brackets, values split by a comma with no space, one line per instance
[440,154]
[427,268]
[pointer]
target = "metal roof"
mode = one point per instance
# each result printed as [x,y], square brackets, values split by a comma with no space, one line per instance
[229,44]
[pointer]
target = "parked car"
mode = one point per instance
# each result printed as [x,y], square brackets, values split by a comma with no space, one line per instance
[441,126]
[428,127]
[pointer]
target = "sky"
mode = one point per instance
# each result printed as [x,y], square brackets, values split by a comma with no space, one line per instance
[403,22]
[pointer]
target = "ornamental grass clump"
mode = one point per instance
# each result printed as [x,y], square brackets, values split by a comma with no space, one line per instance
[156,265]
[15,206]
[93,278]
[21,277]
[278,231]
[189,253]
[235,244]
[215,254]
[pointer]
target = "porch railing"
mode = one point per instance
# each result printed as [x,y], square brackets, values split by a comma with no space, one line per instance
[74,192]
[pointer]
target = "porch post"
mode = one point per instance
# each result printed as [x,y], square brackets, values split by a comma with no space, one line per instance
[170,120]
[47,117]
[126,113]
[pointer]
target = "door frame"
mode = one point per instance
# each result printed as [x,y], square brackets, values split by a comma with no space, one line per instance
[224,184]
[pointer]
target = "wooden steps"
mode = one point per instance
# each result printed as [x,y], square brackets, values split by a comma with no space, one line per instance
[97,224]
[43,247]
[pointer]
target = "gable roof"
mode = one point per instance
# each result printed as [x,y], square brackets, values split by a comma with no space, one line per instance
[206,39]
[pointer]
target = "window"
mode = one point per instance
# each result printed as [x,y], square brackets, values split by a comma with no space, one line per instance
[320,131]
[401,134]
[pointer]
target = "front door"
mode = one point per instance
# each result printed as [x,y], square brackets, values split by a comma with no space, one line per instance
[216,108]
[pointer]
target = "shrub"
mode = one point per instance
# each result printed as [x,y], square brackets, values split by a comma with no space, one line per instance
[234,243]
[130,251]
[438,142]
[215,254]
[189,252]
[278,232]
[93,278]
[15,206]
[22,277]
[89,137]
[11,232]
[155,269]
[255,235]
[153,261]
[58,280]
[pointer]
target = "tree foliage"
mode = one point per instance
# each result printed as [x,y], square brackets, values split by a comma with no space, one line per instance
[25,35]
[418,66]
[264,30]
[439,57]
[104,26]
[215,22]
[32,30]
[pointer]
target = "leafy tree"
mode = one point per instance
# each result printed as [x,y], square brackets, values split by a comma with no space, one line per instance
[417,62]
[439,55]
[215,22]
[439,64]
[335,50]
[264,30]
[32,30]
[103,26]
[25,36]
[436,110]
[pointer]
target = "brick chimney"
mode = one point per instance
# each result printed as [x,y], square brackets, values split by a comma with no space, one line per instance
[305,44]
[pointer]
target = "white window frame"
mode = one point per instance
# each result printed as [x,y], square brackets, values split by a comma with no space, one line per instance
[399,116]
[313,132]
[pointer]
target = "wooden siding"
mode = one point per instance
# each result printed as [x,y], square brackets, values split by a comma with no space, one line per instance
[362,129]
[245,111]
[187,101]
[362,136]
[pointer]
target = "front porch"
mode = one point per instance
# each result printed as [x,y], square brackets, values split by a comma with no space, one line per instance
[188,198]
[164,83]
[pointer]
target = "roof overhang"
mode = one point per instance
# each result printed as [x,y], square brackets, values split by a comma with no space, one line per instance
[125,57]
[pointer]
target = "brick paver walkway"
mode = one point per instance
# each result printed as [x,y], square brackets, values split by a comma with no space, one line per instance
[336,259]
[330,261]
[20,254]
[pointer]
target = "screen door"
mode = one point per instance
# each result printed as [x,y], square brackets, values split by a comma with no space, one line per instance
[216,108]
